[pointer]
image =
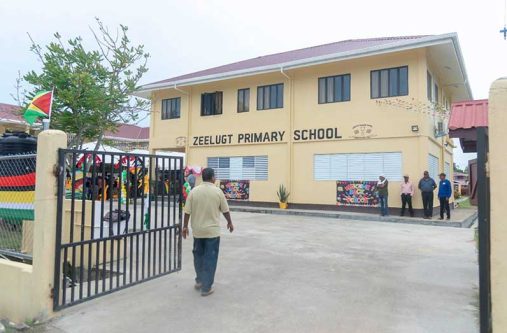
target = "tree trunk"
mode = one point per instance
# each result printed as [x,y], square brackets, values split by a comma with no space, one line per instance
[99,141]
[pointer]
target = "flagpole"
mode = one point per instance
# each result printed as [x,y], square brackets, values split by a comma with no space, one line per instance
[47,122]
[51,103]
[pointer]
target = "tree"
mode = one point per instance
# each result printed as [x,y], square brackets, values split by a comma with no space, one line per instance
[457,168]
[92,88]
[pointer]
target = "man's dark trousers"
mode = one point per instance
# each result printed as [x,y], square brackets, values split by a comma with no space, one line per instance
[205,261]
[427,198]
[406,199]
[444,206]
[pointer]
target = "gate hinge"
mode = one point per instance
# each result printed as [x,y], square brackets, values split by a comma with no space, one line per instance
[57,170]
[52,293]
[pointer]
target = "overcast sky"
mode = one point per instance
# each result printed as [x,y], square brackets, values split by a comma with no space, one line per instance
[185,36]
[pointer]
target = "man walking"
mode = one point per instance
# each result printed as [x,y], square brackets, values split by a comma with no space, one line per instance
[444,194]
[382,188]
[407,192]
[203,208]
[427,185]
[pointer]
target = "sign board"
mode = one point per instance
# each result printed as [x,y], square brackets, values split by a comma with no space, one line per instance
[299,135]
[356,193]
[235,189]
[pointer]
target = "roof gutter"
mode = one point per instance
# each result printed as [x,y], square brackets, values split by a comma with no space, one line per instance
[459,56]
[375,50]
[284,74]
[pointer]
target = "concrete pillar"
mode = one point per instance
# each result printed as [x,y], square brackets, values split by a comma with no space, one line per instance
[498,181]
[48,143]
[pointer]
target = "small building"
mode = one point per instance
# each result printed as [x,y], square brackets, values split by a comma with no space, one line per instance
[460,181]
[467,118]
[11,119]
[324,121]
[129,137]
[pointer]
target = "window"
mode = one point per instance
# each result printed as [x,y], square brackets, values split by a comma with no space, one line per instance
[171,108]
[440,127]
[433,166]
[436,93]
[389,82]
[211,103]
[447,169]
[240,168]
[270,97]
[429,86]
[243,100]
[334,89]
[365,167]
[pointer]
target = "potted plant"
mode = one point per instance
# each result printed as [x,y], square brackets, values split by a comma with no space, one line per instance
[283,197]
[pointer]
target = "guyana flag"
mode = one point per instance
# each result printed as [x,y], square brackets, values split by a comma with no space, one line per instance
[40,107]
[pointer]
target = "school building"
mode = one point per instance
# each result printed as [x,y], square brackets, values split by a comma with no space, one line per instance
[324,121]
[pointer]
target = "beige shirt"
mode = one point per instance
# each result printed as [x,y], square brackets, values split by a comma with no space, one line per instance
[205,204]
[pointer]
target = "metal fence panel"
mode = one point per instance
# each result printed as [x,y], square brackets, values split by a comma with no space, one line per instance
[17,193]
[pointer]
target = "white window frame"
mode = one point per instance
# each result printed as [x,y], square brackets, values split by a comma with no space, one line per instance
[447,169]
[433,166]
[237,170]
[358,166]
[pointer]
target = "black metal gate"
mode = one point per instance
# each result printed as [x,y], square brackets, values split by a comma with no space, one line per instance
[118,224]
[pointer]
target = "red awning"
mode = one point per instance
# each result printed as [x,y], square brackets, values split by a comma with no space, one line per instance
[465,118]
[469,114]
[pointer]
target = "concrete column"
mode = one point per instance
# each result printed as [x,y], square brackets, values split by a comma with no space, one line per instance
[48,143]
[498,181]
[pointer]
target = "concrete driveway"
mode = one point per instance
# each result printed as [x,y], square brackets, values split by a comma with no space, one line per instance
[304,274]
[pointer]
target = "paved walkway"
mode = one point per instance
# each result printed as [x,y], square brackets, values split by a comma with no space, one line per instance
[305,274]
[460,218]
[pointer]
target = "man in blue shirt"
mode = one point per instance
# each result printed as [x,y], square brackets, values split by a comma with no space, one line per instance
[444,194]
[427,185]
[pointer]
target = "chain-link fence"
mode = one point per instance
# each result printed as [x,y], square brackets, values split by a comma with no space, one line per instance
[17,192]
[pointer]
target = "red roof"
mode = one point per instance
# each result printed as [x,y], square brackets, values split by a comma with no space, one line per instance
[305,53]
[130,132]
[469,114]
[10,113]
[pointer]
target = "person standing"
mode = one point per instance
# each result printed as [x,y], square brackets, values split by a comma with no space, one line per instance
[382,188]
[191,179]
[407,192]
[203,207]
[427,185]
[444,194]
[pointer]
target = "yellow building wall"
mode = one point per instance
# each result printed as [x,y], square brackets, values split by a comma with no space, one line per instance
[232,122]
[164,133]
[291,163]
[262,190]
[308,190]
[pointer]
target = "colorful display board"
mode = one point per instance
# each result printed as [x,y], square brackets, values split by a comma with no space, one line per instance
[356,193]
[236,189]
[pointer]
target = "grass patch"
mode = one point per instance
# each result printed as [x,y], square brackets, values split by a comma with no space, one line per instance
[465,203]
[10,236]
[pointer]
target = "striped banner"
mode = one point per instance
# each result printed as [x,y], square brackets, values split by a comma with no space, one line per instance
[17,189]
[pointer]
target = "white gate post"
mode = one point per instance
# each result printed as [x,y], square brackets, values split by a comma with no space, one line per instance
[498,187]
[48,144]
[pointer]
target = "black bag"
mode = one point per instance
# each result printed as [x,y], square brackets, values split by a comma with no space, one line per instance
[116,216]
